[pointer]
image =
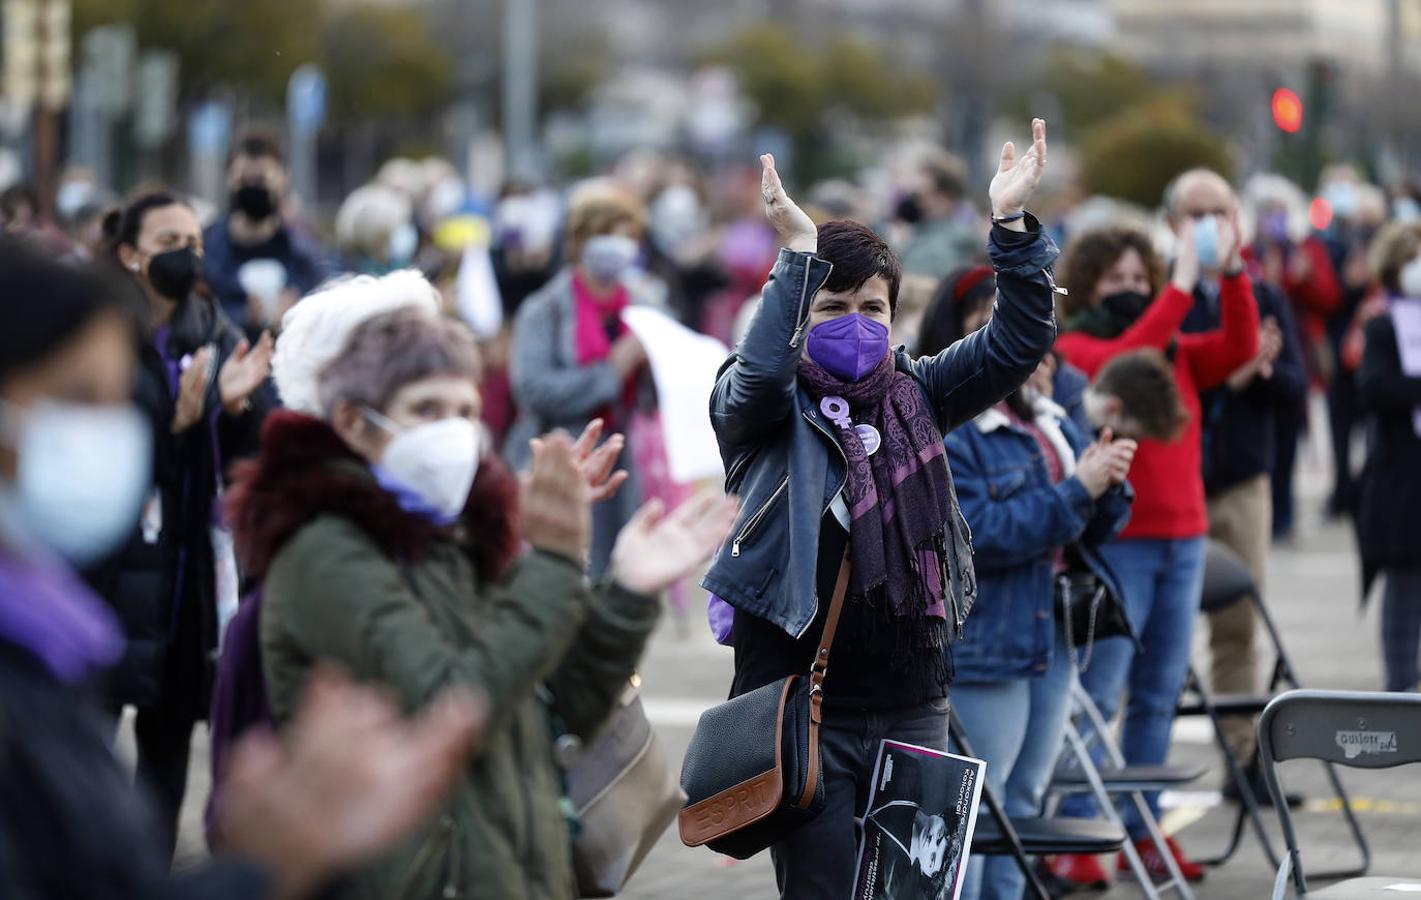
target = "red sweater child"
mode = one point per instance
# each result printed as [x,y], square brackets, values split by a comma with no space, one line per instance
[1168,477]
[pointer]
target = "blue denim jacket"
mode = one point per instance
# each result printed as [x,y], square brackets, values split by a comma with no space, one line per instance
[1019,518]
[781,456]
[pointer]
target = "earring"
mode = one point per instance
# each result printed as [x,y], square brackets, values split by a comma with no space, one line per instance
[133,267]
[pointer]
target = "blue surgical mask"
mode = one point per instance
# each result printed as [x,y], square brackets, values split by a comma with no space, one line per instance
[82,474]
[1206,242]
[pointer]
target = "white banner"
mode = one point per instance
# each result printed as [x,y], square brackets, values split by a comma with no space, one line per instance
[683,365]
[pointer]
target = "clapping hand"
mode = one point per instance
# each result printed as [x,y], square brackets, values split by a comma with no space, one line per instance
[596,462]
[192,390]
[795,229]
[244,371]
[351,778]
[1105,464]
[656,550]
[1017,177]
[556,504]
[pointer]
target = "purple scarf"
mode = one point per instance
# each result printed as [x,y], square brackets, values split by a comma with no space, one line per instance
[46,610]
[898,497]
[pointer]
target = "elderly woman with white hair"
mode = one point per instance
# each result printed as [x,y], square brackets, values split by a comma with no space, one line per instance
[375,230]
[573,358]
[383,531]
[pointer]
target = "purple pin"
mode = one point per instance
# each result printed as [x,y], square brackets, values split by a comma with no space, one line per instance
[836,408]
[872,440]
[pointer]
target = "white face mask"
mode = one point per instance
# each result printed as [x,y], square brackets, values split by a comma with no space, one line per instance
[1409,279]
[436,461]
[608,256]
[83,471]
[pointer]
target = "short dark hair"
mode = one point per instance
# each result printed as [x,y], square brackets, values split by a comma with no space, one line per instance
[1144,381]
[257,145]
[1092,253]
[63,300]
[858,254]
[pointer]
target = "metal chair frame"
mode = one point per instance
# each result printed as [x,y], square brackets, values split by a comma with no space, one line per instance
[1284,733]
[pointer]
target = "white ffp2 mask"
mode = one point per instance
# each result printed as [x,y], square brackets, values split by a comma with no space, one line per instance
[436,461]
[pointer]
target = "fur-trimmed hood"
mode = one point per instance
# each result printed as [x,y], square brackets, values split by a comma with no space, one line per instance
[305,470]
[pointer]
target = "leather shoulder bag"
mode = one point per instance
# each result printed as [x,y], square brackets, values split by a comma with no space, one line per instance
[752,773]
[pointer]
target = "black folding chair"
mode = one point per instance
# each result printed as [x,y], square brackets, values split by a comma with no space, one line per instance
[1024,838]
[1227,581]
[1345,728]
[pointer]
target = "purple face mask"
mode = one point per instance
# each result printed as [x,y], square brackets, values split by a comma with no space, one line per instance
[848,347]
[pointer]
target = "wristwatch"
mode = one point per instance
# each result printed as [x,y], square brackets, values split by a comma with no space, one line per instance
[1014,217]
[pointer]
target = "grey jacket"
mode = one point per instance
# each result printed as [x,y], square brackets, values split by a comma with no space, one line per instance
[783,460]
[551,390]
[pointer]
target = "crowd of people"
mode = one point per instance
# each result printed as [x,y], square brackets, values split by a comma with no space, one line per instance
[409,482]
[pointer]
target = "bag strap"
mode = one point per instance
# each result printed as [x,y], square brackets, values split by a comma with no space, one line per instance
[818,670]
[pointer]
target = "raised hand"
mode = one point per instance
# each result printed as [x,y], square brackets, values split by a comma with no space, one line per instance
[1185,275]
[655,550]
[556,505]
[244,371]
[795,229]
[597,462]
[1017,177]
[350,780]
[192,391]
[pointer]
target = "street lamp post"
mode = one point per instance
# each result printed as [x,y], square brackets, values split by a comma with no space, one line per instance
[520,87]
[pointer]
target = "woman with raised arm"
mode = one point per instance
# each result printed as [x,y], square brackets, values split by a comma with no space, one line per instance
[835,443]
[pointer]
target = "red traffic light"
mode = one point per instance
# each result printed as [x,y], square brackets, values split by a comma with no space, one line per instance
[1287,110]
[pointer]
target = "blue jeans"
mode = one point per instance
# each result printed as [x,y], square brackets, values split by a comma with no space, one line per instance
[1016,726]
[1162,581]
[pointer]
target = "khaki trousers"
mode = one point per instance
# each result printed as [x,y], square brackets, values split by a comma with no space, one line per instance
[1240,518]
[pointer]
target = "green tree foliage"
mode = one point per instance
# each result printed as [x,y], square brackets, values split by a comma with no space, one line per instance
[1136,153]
[380,60]
[382,64]
[797,87]
[251,45]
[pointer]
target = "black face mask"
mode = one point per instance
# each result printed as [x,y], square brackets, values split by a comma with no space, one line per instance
[255,201]
[1126,305]
[175,273]
[909,210]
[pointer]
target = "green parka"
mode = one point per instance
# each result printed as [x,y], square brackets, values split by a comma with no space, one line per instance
[536,643]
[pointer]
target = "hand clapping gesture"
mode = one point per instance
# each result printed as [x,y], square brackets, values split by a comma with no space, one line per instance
[655,550]
[244,371]
[795,229]
[1017,177]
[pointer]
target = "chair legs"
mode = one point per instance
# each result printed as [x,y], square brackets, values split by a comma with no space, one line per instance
[1249,811]
[1079,749]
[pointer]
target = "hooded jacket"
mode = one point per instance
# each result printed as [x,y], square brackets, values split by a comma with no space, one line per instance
[351,578]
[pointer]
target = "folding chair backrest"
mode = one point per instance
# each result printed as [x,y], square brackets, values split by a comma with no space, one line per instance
[1350,728]
[1226,578]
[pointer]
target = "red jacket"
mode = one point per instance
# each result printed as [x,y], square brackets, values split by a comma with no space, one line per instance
[1168,477]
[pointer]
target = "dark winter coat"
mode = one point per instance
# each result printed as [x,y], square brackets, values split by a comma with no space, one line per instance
[162,582]
[1390,496]
[72,823]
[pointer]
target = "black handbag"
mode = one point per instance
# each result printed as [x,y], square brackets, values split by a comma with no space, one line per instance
[1087,611]
[752,773]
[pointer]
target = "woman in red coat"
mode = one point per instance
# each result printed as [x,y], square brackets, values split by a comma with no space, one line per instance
[1112,275]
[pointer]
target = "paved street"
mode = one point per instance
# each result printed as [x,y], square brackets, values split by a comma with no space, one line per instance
[1312,592]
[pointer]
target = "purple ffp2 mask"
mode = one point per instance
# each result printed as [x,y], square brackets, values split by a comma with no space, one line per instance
[848,347]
